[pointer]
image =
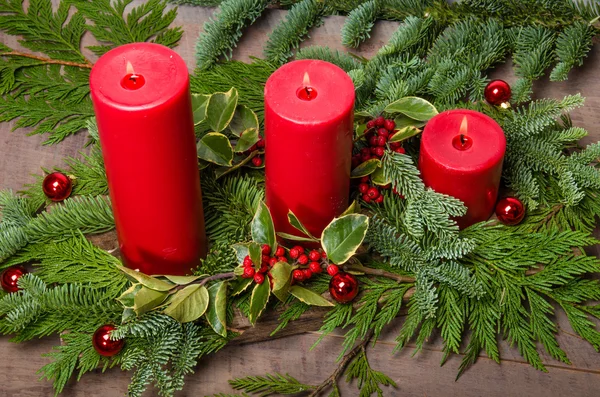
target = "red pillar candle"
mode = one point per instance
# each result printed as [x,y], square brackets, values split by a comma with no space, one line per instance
[309,110]
[143,108]
[461,156]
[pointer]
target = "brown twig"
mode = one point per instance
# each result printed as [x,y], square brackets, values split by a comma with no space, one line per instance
[380,272]
[332,380]
[86,65]
[219,276]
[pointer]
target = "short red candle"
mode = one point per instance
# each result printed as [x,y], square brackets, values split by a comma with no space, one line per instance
[468,167]
[309,110]
[143,108]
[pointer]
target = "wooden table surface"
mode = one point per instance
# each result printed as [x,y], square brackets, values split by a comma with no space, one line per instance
[421,375]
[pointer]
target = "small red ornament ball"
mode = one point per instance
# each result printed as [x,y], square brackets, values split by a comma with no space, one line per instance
[10,277]
[497,92]
[510,211]
[103,344]
[57,186]
[343,287]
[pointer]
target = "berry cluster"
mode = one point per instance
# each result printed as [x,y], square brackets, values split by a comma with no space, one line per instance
[371,193]
[257,160]
[310,264]
[379,131]
[267,263]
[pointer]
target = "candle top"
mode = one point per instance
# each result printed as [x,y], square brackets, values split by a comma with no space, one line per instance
[309,91]
[485,139]
[139,75]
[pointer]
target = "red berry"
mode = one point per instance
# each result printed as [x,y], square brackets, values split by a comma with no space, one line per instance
[282,259]
[400,150]
[257,161]
[261,143]
[324,255]
[387,187]
[389,125]
[303,259]
[381,141]
[252,148]
[272,262]
[279,251]
[266,258]
[366,198]
[248,272]
[370,124]
[307,273]
[365,179]
[379,121]
[395,145]
[259,278]
[298,275]
[373,193]
[299,248]
[379,151]
[379,199]
[315,267]
[365,151]
[294,253]
[264,268]
[314,255]
[248,261]
[383,132]
[363,187]
[373,140]
[333,269]
[266,249]
[364,158]
[343,287]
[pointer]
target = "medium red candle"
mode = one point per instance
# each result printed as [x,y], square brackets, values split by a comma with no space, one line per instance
[309,110]
[143,108]
[461,156]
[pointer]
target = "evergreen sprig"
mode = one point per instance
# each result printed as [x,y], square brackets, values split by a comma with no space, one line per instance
[270,384]
[359,23]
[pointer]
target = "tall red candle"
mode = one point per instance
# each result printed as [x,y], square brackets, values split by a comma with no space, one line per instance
[143,108]
[461,156]
[309,110]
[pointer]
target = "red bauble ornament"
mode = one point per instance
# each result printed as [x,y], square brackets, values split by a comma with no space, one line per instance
[57,186]
[510,211]
[10,277]
[343,287]
[497,92]
[103,344]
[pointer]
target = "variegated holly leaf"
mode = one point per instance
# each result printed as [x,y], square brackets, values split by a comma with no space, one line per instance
[221,108]
[263,230]
[309,297]
[243,119]
[414,107]
[215,147]
[342,237]
[216,314]
[365,168]
[281,273]
[259,300]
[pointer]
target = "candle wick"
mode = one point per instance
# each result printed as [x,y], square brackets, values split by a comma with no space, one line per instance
[462,139]
[133,77]
[307,90]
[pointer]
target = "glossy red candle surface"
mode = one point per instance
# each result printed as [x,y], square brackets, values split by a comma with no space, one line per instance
[309,109]
[143,108]
[467,169]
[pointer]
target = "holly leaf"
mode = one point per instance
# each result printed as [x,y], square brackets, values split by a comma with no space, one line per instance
[258,301]
[241,286]
[405,133]
[255,252]
[181,280]
[145,280]
[342,237]
[263,230]
[403,121]
[293,237]
[309,297]
[215,148]
[147,299]
[127,297]
[216,314]
[243,119]
[378,177]
[247,138]
[282,280]
[366,168]
[414,107]
[199,106]
[221,108]
[188,304]
[241,251]
[295,222]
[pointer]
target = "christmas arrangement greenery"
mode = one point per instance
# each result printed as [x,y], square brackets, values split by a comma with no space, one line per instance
[400,244]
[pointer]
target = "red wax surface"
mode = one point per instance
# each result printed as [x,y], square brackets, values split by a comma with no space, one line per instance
[149,149]
[309,144]
[471,175]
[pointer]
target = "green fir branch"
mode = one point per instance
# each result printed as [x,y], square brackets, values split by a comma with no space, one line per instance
[360,22]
